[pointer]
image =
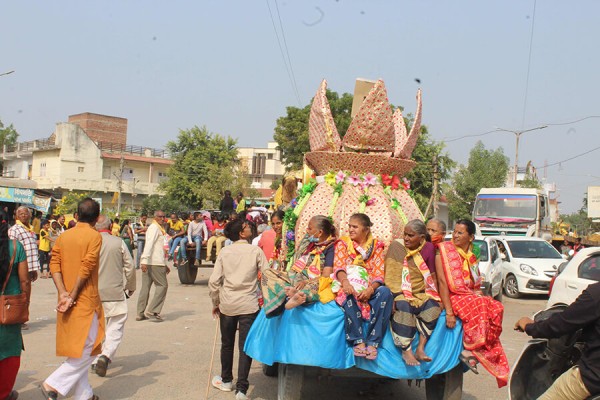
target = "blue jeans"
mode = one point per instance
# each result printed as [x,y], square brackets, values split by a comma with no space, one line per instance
[379,321]
[183,246]
[140,250]
[174,244]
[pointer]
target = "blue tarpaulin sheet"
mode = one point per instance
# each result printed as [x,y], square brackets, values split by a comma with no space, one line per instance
[313,335]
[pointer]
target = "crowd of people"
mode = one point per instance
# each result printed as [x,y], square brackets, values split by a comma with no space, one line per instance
[405,288]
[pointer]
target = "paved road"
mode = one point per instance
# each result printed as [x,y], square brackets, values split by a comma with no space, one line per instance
[170,360]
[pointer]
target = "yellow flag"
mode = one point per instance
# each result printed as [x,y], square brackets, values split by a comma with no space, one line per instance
[115,198]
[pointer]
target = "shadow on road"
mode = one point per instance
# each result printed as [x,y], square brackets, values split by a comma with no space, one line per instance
[125,385]
[131,363]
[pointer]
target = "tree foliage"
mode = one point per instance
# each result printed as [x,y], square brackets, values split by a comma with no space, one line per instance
[8,135]
[156,202]
[291,131]
[68,203]
[291,135]
[485,169]
[530,181]
[205,165]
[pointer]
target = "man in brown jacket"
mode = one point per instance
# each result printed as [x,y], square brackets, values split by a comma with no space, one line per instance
[80,318]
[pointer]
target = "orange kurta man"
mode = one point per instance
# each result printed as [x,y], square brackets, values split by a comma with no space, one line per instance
[76,253]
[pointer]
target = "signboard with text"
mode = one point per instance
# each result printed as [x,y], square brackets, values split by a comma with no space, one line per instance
[593,201]
[16,195]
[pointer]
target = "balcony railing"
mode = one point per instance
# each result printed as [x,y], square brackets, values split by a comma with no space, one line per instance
[134,150]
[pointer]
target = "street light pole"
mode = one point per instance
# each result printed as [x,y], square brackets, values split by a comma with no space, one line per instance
[517,137]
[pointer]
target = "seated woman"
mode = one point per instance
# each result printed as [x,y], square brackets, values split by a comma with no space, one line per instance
[459,287]
[410,275]
[313,260]
[359,268]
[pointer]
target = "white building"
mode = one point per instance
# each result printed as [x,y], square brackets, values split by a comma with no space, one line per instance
[264,167]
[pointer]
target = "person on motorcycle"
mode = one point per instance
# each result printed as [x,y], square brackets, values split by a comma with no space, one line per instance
[583,379]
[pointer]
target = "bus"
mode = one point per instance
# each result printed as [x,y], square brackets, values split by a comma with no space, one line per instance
[512,212]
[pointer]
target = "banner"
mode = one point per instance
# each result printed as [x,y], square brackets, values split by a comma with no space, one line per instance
[16,195]
[593,201]
[40,203]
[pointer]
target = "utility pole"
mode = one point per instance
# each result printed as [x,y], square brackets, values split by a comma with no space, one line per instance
[518,136]
[133,195]
[119,177]
[433,200]
[436,179]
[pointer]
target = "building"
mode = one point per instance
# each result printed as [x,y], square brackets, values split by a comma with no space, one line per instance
[264,167]
[72,160]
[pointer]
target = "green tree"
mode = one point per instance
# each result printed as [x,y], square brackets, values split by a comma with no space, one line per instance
[156,202]
[291,131]
[530,181]
[205,165]
[421,177]
[485,169]
[8,135]
[68,203]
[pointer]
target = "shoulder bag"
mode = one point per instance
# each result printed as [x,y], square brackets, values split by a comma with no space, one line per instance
[14,308]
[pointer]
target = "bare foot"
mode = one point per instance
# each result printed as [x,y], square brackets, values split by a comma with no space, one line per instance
[420,353]
[409,358]
[290,291]
[296,300]
[421,356]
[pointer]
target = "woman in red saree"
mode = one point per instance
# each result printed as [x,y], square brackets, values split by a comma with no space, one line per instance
[459,286]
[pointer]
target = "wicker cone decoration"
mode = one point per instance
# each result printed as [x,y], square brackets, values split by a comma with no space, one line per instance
[364,171]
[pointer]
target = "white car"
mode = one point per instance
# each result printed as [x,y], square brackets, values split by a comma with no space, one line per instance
[490,266]
[573,277]
[529,264]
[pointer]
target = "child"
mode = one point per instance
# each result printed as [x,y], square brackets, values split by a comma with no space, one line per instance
[44,248]
[233,288]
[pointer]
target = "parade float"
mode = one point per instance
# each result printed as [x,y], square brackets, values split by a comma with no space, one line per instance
[363,172]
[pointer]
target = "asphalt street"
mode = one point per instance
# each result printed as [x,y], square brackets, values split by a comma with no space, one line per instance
[171,359]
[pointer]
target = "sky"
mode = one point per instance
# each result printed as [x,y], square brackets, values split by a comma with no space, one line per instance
[167,66]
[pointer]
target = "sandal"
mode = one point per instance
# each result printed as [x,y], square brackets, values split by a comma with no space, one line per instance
[467,362]
[371,352]
[360,351]
[49,394]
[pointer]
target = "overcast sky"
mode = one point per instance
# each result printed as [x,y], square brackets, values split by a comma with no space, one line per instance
[171,65]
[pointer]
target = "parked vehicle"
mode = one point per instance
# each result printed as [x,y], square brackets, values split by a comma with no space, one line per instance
[573,277]
[490,266]
[512,212]
[528,264]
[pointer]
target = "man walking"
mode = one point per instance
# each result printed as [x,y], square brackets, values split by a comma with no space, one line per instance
[79,319]
[115,263]
[154,270]
[233,288]
[140,231]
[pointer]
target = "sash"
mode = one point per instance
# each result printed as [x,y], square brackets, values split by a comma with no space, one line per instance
[462,274]
[30,229]
[162,230]
[310,256]
[359,254]
[430,288]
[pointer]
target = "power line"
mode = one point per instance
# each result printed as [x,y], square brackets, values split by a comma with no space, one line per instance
[528,65]
[498,130]
[574,157]
[287,52]
[285,63]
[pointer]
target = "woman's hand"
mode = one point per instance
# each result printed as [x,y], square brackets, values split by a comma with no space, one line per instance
[450,321]
[300,285]
[366,294]
[348,288]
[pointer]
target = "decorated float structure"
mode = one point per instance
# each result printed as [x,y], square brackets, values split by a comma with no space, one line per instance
[363,172]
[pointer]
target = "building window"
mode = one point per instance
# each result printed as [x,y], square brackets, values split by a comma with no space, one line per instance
[43,169]
[258,164]
[162,176]
[270,156]
[79,169]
